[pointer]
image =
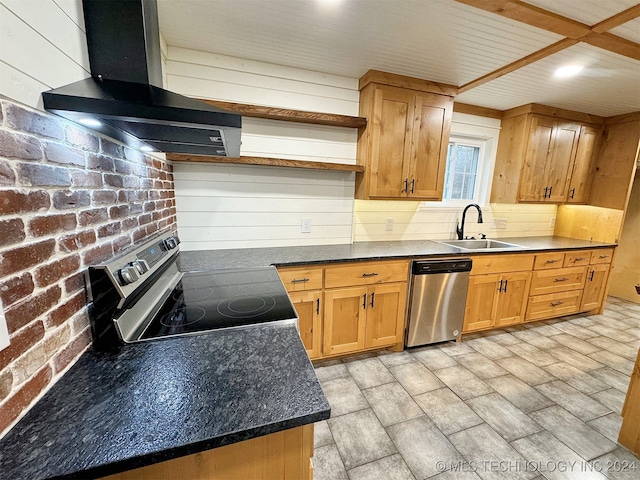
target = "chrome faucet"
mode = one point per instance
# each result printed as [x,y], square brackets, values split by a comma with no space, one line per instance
[460,228]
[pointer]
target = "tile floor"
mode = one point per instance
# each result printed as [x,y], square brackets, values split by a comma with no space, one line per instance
[535,401]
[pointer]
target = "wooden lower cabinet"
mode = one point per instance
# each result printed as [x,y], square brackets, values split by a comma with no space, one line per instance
[594,287]
[284,455]
[308,305]
[360,318]
[553,305]
[496,300]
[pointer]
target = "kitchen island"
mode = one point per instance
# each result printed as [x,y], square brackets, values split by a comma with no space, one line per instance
[156,401]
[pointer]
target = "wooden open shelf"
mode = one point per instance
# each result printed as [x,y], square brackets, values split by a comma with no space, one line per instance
[273,162]
[287,115]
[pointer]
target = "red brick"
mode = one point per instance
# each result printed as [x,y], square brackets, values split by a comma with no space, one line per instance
[6,383]
[74,283]
[146,184]
[97,254]
[11,231]
[120,211]
[129,223]
[16,288]
[123,167]
[104,197]
[135,209]
[151,228]
[93,216]
[109,230]
[130,182]
[157,184]
[157,215]
[65,199]
[135,156]
[149,206]
[144,219]
[21,341]
[138,235]
[76,241]
[111,148]
[65,311]
[52,272]
[22,147]
[80,178]
[62,154]
[7,175]
[21,400]
[113,180]
[14,201]
[25,312]
[44,175]
[119,244]
[23,258]
[100,162]
[47,126]
[49,224]
[71,351]
[80,138]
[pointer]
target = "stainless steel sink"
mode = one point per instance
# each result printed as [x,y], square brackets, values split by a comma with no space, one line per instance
[480,244]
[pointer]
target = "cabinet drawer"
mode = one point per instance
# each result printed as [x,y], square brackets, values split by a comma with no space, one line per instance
[553,305]
[548,260]
[573,259]
[602,255]
[366,273]
[501,263]
[300,279]
[558,280]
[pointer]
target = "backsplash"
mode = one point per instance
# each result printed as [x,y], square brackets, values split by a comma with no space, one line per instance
[68,199]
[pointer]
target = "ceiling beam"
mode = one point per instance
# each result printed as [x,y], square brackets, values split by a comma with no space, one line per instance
[523,62]
[595,35]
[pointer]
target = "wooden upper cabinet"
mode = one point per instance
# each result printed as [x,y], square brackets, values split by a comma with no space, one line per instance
[583,167]
[549,158]
[403,148]
[544,158]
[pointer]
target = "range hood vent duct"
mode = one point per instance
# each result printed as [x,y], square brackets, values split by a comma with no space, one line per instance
[124,100]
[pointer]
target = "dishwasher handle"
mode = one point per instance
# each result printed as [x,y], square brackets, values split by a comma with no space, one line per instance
[436,266]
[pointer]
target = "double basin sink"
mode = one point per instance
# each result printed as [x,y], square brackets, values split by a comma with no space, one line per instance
[480,245]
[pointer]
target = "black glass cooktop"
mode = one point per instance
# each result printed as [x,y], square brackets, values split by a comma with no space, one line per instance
[215,299]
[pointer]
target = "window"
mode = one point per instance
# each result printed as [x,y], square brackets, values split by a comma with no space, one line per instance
[463,169]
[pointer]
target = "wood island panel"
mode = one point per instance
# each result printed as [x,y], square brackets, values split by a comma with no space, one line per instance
[630,431]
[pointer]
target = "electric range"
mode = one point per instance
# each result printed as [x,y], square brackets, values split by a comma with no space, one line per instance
[143,296]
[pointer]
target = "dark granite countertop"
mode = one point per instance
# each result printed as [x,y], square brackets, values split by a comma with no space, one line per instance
[360,251]
[159,400]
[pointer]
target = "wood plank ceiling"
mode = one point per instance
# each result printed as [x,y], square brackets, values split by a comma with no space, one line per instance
[501,53]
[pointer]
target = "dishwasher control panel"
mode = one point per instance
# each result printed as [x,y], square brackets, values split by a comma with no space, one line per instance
[426,267]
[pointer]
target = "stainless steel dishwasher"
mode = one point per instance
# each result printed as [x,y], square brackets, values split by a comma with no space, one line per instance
[437,300]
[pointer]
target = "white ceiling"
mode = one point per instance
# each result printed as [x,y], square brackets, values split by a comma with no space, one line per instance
[438,40]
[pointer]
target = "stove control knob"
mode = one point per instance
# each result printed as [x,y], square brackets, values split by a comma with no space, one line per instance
[141,266]
[129,274]
[171,243]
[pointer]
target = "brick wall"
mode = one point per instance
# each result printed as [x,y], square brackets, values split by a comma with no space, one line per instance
[68,199]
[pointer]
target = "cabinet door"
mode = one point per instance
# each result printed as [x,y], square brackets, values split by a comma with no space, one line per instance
[431,125]
[386,305]
[512,300]
[308,305]
[392,125]
[560,161]
[582,174]
[533,181]
[594,287]
[344,320]
[482,298]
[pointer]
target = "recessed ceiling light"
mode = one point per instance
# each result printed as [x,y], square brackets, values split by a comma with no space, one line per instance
[568,71]
[90,122]
[146,148]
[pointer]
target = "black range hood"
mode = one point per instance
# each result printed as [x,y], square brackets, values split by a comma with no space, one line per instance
[124,100]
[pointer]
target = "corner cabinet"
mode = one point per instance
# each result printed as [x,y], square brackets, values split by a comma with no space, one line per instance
[349,308]
[403,148]
[544,159]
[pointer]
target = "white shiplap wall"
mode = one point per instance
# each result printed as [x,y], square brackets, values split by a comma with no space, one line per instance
[231,206]
[42,46]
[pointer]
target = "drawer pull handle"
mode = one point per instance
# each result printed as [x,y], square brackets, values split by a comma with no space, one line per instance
[369,274]
[413,184]
[593,272]
[604,256]
[317,306]
[405,188]
[373,294]
[552,261]
[579,259]
[364,301]
[555,304]
[563,279]
[299,280]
